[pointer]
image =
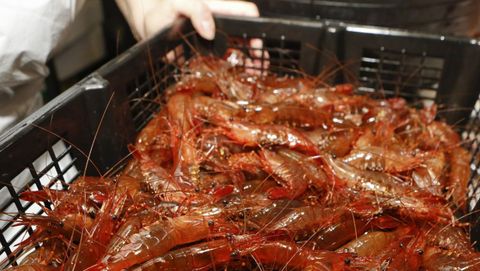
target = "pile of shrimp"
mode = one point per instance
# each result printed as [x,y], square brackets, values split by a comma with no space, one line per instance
[245,172]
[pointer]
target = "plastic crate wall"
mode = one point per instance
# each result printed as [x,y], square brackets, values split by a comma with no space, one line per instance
[118,100]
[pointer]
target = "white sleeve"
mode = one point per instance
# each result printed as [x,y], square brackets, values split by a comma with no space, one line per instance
[29,30]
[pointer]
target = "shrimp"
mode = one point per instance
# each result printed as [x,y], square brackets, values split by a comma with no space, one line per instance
[326,228]
[381,159]
[183,140]
[211,109]
[258,185]
[31,267]
[430,175]
[249,162]
[93,243]
[288,113]
[272,214]
[398,250]
[346,228]
[154,139]
[161,236]
[132,225]
[373,243]
[277,90]
[203,256]
[268,135]
[337,143]
[294,182]
[449,238]
[284,254]
[391,191]
[459,175]
[437,259]
[323,228]
[372,152]
[52,253]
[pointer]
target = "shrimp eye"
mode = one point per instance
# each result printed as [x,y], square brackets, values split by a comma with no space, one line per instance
[347,261]
[420,251]
[401,244]
[235,254]
[210,223]
[241,215]
[197,189]
[229,236]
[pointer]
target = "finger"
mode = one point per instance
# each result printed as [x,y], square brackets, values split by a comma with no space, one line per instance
[199,14]
[239,8]
[260,55]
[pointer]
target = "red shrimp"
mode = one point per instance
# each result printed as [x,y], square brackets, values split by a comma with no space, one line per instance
[346,228]
[52,253]
[203,256]
[159,181]
[337,143]
[93,243]
[155,135]
[448,237]
[258,185]
[246,161]
[288,113]
[268,135]
[92,189]
[216,149]
[307,218]
[159,237]
[31,267]
[438,259]
[326,228]
[371,243]
[459,176]
[391,190]
[438,134]
[185,156]
[271,214]
[219,74]
[294,182]
[278,89]
[398,250]
[129,227]
[211,109]
[430,174]
[408,255]
[381,152]
[284,254]
[381,159]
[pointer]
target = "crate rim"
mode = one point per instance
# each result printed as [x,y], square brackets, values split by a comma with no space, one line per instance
[96,79]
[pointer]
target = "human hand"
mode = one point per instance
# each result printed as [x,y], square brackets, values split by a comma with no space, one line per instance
[147,17]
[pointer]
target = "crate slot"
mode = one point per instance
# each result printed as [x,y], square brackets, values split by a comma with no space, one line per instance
[400,73]
[54,166]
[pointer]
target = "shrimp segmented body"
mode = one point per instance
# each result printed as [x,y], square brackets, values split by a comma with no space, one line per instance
[159,237]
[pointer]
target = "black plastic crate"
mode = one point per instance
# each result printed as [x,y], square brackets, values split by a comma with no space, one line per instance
[440,16]
[100,115]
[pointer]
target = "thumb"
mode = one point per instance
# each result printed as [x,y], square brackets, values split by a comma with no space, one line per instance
[199,14]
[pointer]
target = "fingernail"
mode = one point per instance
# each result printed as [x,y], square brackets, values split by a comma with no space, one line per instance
[208,29]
